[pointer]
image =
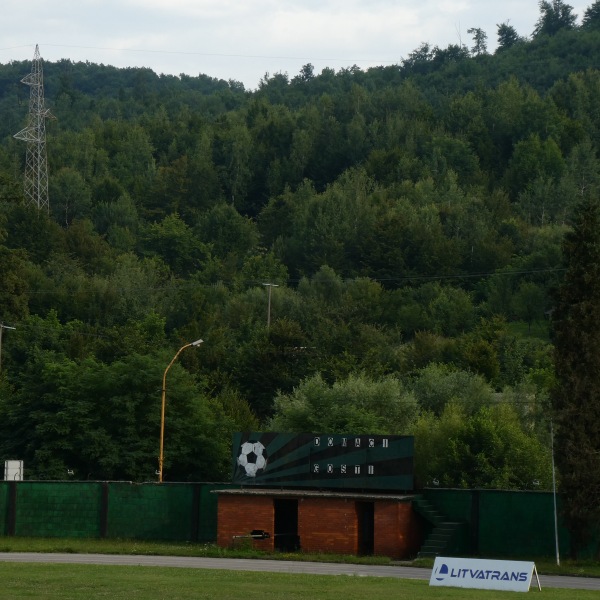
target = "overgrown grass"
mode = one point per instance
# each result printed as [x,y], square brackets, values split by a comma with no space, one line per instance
[88,582]
[544,565]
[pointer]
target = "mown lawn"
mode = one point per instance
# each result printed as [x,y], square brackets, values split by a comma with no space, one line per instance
[546,565]
[89,582]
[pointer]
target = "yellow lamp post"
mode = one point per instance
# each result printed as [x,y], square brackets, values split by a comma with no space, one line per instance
[162,411]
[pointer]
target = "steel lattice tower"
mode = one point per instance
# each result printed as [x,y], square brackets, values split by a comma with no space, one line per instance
[36,166]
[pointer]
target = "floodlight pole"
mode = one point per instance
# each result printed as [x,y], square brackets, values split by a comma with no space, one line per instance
[163,404]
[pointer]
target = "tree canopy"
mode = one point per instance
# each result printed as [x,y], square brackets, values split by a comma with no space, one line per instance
[407,220]
[555,15]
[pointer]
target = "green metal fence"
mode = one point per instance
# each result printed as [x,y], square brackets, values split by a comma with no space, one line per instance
[493,523]
[169,511]
[505,523]
[4,506]
[56,509]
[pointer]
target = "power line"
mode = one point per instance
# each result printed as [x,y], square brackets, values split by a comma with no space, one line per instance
[190,285]
[15,47]
[215,54]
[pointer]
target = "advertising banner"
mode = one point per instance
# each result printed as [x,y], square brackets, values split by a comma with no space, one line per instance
[507,575]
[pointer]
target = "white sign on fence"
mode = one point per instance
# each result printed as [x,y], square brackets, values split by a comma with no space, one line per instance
[481,574]
[13,470]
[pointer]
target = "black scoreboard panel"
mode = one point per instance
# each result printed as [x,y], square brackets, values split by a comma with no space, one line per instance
[371,462]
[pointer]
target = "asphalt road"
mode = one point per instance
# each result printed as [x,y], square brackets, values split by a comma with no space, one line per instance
[274,566]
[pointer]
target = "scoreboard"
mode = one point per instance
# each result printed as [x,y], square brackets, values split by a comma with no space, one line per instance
[324,461]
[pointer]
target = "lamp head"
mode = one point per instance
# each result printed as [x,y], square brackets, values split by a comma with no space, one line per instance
[197,342]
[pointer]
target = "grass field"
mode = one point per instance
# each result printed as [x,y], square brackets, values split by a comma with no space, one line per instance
[587,568]
[20,581]
[88,582]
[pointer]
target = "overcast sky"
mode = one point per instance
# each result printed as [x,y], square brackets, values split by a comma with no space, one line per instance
[244,39]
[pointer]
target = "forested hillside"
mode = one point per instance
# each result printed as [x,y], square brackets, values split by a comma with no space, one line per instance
[411,217]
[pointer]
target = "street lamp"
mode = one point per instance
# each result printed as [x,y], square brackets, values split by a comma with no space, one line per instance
[162,411]
[270,286]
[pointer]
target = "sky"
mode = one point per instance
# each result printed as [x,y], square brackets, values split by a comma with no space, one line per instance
[244,40]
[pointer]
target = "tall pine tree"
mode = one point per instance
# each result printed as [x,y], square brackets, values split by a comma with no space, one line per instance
[576,399]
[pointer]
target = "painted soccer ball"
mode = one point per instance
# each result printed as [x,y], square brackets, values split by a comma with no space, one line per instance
[252,458]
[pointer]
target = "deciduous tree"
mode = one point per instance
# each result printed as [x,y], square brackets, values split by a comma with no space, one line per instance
[355,405]
[591,16]
[555,15]
[479,40]
[488,449]
[507,36]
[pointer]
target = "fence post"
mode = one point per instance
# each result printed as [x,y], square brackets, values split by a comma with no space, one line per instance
[197,494]
[12,508]
[104,510]
[475,506]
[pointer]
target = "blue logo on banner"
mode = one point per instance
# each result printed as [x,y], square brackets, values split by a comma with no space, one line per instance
[441,573]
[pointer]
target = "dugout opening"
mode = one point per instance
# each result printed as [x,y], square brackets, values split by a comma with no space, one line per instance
[286,525]
[365,512]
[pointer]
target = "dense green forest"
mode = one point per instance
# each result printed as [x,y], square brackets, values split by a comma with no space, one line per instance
[409,218]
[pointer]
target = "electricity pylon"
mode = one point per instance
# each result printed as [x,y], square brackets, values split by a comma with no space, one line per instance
[36,165]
